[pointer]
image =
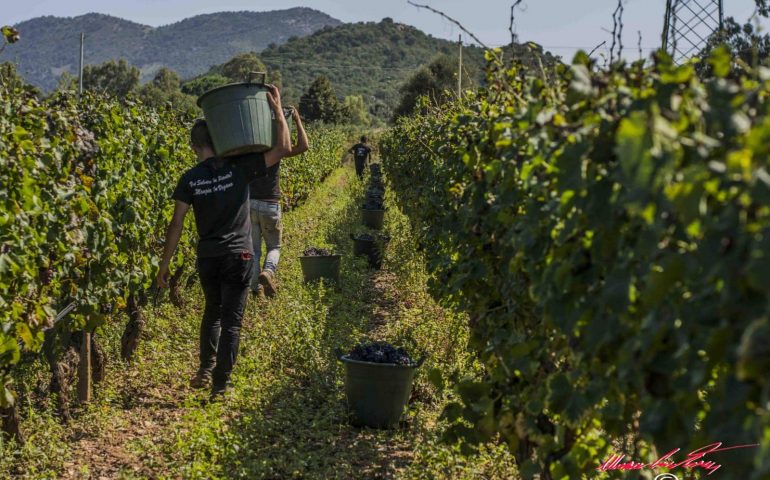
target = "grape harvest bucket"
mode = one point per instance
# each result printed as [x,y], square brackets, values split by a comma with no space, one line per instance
[239,117]
[315,267]
[374,219]
[377,392]
[373,249]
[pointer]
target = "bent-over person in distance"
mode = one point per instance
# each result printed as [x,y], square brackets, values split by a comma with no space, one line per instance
[218,191]
[361,153]
[266,218]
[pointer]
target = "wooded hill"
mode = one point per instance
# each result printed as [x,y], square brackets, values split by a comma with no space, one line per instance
[371,60]
[51,45]
[368,59]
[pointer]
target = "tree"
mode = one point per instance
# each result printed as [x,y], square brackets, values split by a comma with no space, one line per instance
[116,78]
[357,113]
[67,82]
[744,42]
[437,81]
[276,78]
[239,67]
[166,80]
[763,7]
[200,85]
[164,90]
[320,103]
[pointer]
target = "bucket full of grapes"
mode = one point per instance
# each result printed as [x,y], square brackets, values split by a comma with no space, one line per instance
[378,383]
[320,263]
[373,214]
[370,246]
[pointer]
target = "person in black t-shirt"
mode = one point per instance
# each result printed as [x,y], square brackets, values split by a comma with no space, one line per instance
[266,218]
[361,153]
[218,191]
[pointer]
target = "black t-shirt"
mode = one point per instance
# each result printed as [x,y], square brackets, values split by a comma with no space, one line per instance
[268,189]
[218,190]
[360,151]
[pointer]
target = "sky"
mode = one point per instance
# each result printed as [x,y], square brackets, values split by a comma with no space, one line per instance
[562,26]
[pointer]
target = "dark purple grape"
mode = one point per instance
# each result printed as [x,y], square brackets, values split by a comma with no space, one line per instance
[380,352]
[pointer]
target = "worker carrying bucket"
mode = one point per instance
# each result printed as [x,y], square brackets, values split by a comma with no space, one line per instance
[236,144]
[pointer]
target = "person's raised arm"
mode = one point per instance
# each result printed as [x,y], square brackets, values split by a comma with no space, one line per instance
[283,145]
[173,234]
[302,143]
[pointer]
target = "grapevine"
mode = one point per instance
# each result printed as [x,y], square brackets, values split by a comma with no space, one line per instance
[84,204]
[608,232]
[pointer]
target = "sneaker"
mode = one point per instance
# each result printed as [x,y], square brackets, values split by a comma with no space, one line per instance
[267,282]
[259,293]
[200,380]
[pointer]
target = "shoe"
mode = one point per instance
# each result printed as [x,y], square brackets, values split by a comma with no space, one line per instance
[268,283]
[200,380]
[259,293]
[219,394]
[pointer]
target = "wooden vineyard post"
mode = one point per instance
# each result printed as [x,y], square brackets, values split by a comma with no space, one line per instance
[84,369]
[9,421]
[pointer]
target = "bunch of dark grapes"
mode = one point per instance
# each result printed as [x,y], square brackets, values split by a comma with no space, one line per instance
[377,237]
[317,252]
[45,275]
[380,352]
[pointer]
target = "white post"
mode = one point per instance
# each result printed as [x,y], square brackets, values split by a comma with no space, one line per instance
[80,75]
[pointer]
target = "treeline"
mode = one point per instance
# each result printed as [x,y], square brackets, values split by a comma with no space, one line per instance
[608,233]
[320,103]
[363,74]
[119,79]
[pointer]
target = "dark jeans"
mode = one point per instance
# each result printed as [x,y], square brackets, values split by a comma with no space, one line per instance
[360,164]
[225,281]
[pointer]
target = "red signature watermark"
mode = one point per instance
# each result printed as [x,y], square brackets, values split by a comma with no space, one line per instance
[695,459]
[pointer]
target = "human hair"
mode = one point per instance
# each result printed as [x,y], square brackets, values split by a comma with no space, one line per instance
[363,139]
[199,135]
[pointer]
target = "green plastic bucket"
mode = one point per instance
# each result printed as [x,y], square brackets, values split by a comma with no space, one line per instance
[374,250]
[239,118]
[373,218]
[377,392]
[314,268]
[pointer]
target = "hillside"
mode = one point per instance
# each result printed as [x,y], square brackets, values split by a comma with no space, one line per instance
[369,59]
[50,45]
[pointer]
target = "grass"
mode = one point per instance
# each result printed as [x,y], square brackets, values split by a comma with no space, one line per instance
[286,417]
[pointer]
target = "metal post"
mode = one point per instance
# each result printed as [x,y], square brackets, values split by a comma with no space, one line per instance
[666,25]
[80,75]
[721,17]
[689,25]
[460,70]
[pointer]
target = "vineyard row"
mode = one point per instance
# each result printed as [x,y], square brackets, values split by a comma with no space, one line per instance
[609,235]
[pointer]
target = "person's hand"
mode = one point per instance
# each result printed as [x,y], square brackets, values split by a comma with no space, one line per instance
[162,278]
[274,99]
[294,113]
